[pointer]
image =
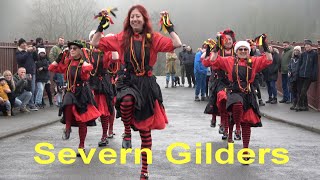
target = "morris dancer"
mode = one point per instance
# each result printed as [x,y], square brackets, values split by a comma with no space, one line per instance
[100,83]
[217,100]
[139,98]
[78,104]
[241,69]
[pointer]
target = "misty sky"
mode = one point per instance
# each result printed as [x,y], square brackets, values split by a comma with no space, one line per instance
[196,21]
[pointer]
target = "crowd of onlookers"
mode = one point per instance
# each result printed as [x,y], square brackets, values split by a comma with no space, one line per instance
[24,89]
[297,69]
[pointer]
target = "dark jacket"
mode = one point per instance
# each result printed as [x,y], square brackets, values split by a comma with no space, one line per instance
[43,75]
[189,58]
[293,68]
[308,66]
[271,72]
[182,57]
[21,85]
[26,59]
[285,59]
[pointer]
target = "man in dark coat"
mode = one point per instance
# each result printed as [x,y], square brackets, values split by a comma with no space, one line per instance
[25,58]
[271,75]
[308,72]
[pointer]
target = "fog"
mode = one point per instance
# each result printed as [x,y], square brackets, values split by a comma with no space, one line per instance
[194,21]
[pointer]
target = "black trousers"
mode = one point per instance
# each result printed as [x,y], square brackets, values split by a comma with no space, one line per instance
[190,74]
[303,86]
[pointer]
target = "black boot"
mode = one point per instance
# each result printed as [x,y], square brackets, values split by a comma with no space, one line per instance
[261,103]
[294,105]
[274,101]
[78,154]
[103,142]
[269,101]
[237,135]
[126,143]
[66,134]
[144,176]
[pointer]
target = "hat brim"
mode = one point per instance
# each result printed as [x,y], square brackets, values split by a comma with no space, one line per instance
[75,44]
[2,78]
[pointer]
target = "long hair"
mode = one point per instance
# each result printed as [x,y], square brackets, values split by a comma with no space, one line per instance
[7,72]
[128,31]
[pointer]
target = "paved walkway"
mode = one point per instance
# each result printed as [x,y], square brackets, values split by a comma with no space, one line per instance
[309,120]
[20,123]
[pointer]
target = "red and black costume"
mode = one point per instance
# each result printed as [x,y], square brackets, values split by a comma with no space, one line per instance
[139,98]
[240,99]
[100,83]
[78,106]
[113,68]
[217,101]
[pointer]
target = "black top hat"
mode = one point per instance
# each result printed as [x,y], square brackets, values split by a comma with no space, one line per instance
[76,43]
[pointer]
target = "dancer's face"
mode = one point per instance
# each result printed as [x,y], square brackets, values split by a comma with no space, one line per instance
[229,42]
[243,52]
[136,21]
[75,51]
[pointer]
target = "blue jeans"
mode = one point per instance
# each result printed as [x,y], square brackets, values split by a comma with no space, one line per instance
[39,95]
[272,89]
[285,87]
[168,77]
[33,89]
[200,84]
[25,98]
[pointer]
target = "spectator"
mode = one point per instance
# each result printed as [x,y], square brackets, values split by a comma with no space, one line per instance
[182,58]
[23,88]
[53,55]
[4,99]
[42,75]
[25,58]
[293,69]
[200,72]
[271,75]
[308,72]
[171,58]
[56,49]
[189,65]
[47,86]
[285,59]
[12,96]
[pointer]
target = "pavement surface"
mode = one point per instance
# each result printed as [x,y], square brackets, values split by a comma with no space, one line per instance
[187,124]
[309,120]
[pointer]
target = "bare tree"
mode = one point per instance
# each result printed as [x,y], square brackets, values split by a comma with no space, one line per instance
[72,19]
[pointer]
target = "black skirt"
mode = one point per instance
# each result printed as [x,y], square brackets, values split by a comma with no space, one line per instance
[217,85]
[248,101]
[145,91]
[102,85]
[81,98]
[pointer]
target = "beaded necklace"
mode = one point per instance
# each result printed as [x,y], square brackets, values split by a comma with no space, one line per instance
[69,86]
[97,66]
[140,71]
[247,89]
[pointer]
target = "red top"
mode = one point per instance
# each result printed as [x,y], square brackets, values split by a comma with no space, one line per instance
[227,63]
[63,65]
[160,43]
